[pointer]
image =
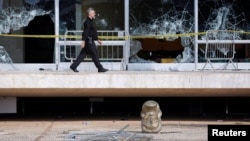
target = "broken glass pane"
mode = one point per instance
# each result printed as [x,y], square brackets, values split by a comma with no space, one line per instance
[176,17]
[164,20]
[223,15]
[4,56]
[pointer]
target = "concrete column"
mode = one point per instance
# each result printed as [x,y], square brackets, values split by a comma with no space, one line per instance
[126,51]
[196,31]
[57,47]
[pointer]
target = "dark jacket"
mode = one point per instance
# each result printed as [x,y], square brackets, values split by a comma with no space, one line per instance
[89,30]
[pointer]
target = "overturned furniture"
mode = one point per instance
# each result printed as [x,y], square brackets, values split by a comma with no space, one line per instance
[220,46]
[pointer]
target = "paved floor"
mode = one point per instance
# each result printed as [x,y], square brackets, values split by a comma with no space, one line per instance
[81,130]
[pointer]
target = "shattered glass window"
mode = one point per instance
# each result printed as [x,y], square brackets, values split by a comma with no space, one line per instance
[15,18]
[230,15]
[4,56]
[15,15]
[163,28]
[225,15]
[158,27]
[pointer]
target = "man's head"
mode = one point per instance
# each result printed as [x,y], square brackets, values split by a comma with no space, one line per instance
[91,13]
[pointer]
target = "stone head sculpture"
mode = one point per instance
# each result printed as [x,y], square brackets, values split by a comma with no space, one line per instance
[151,117]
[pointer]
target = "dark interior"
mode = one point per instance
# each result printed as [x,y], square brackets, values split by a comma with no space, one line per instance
[125,108]
[40,50]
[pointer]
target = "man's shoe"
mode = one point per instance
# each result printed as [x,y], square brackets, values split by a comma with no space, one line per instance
[74,69]
[102,70]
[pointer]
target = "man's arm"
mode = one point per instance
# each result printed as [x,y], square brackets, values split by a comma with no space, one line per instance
[85,33]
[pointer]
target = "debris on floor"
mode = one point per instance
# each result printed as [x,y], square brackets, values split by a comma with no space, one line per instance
[120,135]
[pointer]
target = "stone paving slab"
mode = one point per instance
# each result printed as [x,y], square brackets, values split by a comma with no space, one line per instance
[80,130]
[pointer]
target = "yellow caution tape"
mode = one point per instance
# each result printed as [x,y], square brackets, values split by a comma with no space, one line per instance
[30,36]
[114,37]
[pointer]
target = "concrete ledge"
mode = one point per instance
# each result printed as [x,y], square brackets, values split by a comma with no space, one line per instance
[122,92]
[124,84]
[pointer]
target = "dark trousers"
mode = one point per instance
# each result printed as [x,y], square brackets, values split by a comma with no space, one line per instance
[89,49]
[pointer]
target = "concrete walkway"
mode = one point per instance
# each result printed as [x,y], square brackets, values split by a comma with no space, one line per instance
[75,130]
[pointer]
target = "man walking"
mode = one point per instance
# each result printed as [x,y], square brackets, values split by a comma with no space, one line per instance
[89,35]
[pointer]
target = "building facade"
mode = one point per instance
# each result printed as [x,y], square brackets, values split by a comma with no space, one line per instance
[139,33]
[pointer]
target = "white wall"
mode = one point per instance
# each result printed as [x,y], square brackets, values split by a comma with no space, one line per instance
[8,105]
